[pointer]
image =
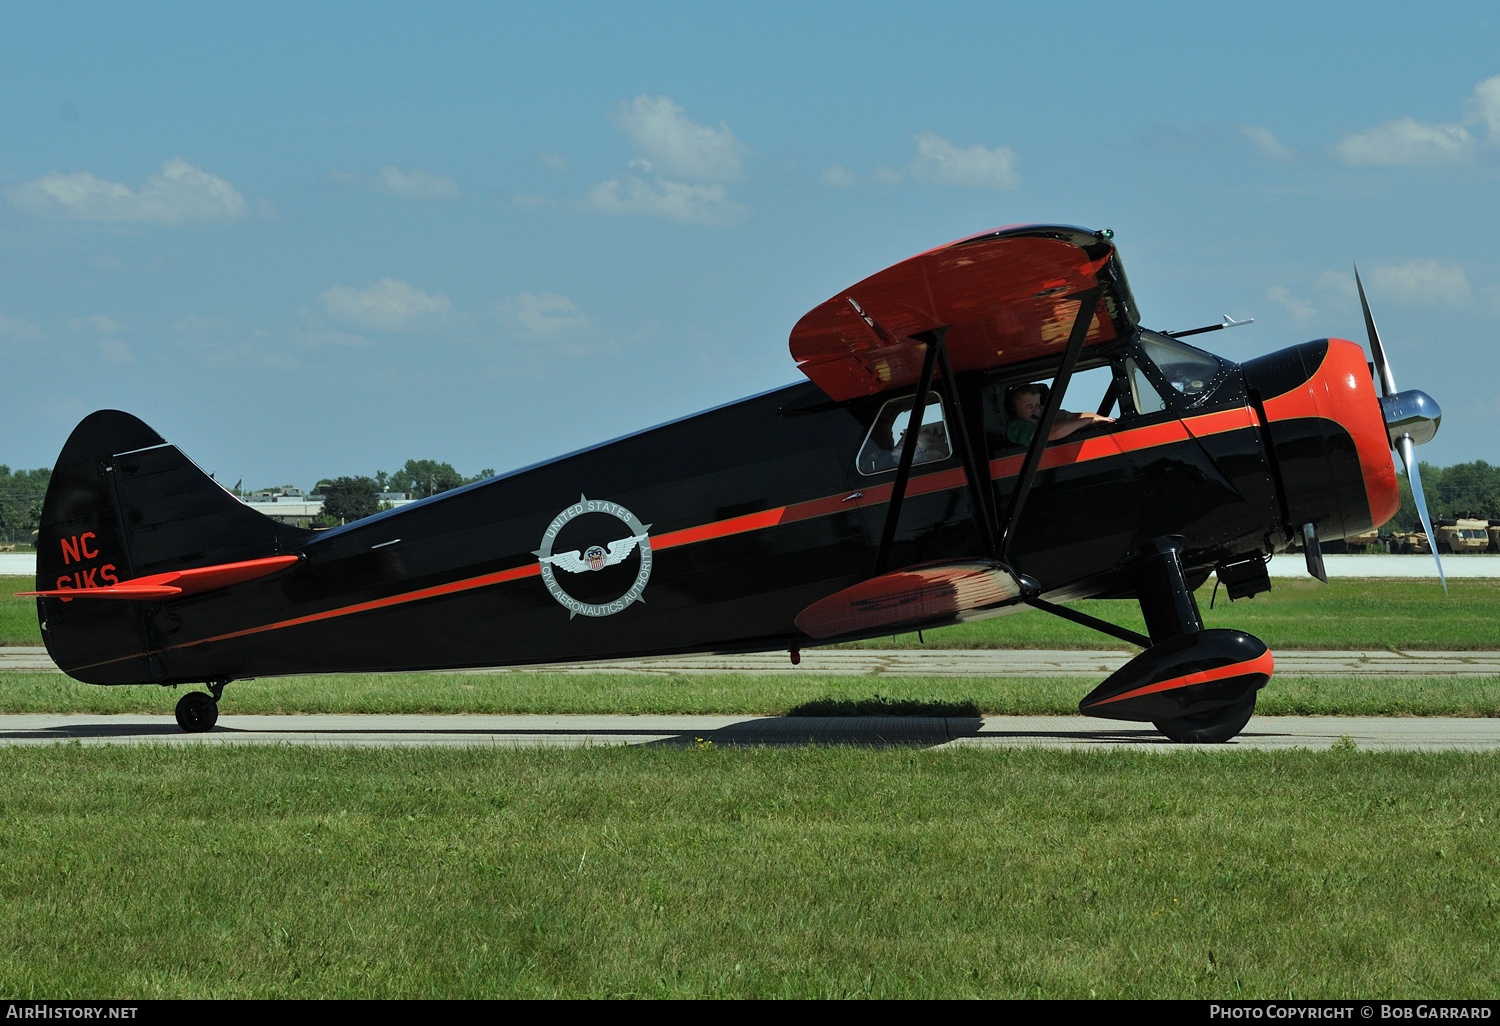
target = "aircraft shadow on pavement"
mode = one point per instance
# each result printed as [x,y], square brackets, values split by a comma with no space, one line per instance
[888,732]
[82,731]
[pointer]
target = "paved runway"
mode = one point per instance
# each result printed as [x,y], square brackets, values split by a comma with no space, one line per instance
[1068,732]
[934,662]
[1375,733]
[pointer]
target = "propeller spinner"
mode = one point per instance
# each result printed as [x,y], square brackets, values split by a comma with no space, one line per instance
[1411,418]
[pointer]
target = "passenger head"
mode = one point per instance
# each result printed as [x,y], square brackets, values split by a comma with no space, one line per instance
[1024,402]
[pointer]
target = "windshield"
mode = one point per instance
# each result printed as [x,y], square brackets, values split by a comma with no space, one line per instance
[1189,372]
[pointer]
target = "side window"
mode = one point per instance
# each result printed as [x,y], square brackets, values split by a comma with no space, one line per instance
[1142,393]
[882,448]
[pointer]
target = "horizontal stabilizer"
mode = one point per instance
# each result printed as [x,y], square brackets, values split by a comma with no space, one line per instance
[918,594]
[174,583]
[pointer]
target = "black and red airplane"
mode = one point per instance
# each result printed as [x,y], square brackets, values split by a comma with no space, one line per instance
[883,494]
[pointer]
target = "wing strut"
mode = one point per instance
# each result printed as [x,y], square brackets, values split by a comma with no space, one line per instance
[1102,626]
[908,453]
[977,474]
[936,358]
[1088,305]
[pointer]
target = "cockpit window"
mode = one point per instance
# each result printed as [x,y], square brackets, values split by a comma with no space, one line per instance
[1189,372]
[882,449]
[1142,393]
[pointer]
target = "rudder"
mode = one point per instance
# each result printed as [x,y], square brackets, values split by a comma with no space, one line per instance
[122,504]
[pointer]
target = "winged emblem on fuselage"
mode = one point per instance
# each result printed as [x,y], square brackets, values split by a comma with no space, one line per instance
[595,557]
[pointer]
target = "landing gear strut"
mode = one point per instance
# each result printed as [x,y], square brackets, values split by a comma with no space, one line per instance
[1196,686]
[196,712]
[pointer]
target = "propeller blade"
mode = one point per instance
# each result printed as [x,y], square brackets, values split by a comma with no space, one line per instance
[1387,379]
[1408,452]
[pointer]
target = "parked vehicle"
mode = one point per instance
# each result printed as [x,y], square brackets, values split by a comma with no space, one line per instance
[1462,535]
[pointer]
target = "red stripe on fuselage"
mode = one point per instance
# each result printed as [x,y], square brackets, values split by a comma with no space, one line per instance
[1065,454]
[468,583]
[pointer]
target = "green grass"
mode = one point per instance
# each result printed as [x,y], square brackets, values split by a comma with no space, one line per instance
[18,624]
[556,693]
[211,872]
[1343,614]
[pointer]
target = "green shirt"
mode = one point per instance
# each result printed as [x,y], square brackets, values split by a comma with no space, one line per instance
[1020,431]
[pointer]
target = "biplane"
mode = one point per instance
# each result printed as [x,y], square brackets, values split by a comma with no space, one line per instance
[891,490]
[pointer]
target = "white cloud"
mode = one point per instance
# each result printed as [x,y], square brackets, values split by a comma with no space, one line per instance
[15,329]
[664,134]
[414,183]
[555,162]
[675,201]
[888,175]
[545,315]
[1301,310]
[98,322]
[1341,285]
[1407,141]
[1267,144]
[114,350]
[1423,281]
[180,192]
[838,176]
[1486,105]
[939,161]
[387,305]
[217,343]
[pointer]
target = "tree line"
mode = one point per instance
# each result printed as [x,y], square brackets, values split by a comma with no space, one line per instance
[1462,490]
[353,498]
[21,494]
[344,498]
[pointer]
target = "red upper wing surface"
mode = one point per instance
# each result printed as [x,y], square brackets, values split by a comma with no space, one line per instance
[1003,295]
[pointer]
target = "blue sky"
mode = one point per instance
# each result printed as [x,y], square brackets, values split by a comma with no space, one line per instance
[311,240]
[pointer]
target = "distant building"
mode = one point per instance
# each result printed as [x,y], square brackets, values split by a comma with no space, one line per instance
[290,506]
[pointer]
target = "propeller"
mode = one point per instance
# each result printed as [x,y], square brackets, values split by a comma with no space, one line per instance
[1411,418]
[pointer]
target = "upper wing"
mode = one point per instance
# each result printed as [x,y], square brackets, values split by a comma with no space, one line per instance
[1003,295]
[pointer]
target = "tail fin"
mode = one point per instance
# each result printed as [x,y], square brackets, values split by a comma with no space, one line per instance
[124,504]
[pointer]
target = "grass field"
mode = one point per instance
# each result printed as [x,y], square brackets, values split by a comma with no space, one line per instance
[813,872]
[1299,613]
[1343,614]
[542,693]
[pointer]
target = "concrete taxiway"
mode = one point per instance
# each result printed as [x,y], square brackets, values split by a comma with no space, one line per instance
[1069,732]
[1373,733]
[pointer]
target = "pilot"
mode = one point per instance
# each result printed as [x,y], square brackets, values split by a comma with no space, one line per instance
[1023,405]
[932,444]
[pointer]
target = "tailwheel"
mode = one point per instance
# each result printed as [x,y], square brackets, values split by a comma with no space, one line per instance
[1209,728]
[197,712]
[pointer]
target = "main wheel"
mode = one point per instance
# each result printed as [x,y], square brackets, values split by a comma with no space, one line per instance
[197,712]
[1209,728]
